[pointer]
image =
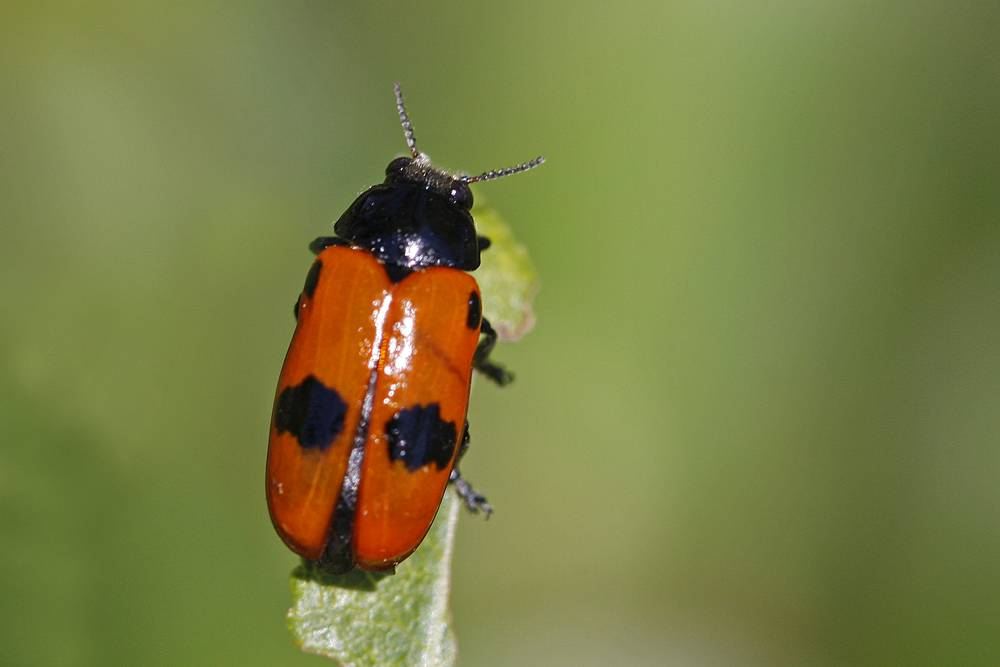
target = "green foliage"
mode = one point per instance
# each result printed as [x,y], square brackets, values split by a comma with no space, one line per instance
[366,618]
[506,277]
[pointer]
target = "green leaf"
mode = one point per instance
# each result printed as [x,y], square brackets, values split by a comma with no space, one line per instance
[364,619]
[506,277]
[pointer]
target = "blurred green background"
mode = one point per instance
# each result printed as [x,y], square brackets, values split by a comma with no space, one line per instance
[756,423]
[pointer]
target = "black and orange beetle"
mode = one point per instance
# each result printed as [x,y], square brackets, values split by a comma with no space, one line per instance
[369,419]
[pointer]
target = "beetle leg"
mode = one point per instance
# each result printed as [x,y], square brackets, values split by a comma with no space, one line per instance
[475,501]
[324,242]
[481,359]
[464,444]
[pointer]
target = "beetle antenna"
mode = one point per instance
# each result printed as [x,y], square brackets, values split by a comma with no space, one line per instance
[411,141]
[497,173]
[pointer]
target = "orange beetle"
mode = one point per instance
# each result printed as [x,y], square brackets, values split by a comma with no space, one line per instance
[369,419]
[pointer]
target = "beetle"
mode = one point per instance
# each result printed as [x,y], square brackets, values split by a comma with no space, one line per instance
[369,417]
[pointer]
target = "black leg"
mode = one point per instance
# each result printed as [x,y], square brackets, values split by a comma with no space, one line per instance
[324,242]
[476,502]
[481,360]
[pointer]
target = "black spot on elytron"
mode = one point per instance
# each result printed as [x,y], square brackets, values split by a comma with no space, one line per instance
[475,311]
[312,279]
[312,412]
[417,436]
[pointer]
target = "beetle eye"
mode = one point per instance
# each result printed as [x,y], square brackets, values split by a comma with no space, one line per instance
[398,166]
[460,194]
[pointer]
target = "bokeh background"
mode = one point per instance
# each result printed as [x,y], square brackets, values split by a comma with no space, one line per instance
[756,423]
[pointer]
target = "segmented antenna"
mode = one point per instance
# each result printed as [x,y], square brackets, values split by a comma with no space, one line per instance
[411,141]
[497,173]
[405,120]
